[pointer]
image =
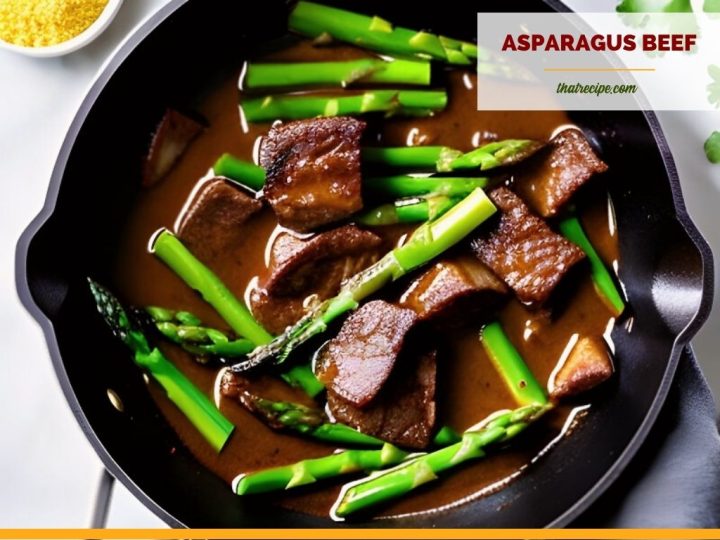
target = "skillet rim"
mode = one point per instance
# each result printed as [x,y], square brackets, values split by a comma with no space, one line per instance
[107,71]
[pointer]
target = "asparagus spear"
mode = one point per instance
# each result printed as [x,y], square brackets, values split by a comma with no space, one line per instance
[186,330]
[189,399]
[409,186]
[470,50]
[302,376]
[246,173]
[491,155]
[412,210]
[173,253]
[457,58]
[308,421]
[512,368]
[444,159]
[409,157]
[315,20]
[372,70]
[311,470]
[426,243]
[404,478]
[295,107]
[446,436]
[604,283]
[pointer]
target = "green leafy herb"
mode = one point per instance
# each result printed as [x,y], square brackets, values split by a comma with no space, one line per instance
[712,147]
[654,6]
[711,6]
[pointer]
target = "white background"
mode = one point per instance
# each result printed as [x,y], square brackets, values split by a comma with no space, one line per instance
[48,471]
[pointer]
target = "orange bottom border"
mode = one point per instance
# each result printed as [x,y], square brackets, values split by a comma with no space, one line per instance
[362,534]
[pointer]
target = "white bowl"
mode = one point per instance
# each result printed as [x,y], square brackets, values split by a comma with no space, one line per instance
[73,44]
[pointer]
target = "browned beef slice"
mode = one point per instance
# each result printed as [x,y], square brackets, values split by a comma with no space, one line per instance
[454,288]
[357,362]
[404,411]
[550,179]
[297,263]
[212,222]
[306,270]
[313,171]
[587,365]
[170,140]
[522,250]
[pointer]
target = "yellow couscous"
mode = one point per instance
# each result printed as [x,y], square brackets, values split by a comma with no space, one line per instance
[38,23]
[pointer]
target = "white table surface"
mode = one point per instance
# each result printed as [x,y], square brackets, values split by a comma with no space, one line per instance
[48,471]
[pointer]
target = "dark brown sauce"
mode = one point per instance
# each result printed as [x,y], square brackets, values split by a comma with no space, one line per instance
[470,388]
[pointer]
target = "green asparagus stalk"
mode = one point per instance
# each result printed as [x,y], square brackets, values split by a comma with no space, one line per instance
[457,58]
[172,252]
[214,427]
[446,436]
[510,365]
[295,107]
[308,421]
[186,330]
[427,242]
[311,470]
[246,173]
[604,283]
[470,50]
[370,70]
[302,376]
[491,155]
[412,210]
[409,157]
[402,479]
[410,186]
[316,20]
[444,159]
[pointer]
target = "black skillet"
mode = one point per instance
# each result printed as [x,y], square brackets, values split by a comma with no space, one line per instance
[172,59]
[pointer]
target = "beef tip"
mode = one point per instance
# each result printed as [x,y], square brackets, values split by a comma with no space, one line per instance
[170,140]
[453,289]
[588,364]
[295,263]
[404,411]
[213,219]
[358,361]
[522,250]
[304,271]
[313,171]
[551,178]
